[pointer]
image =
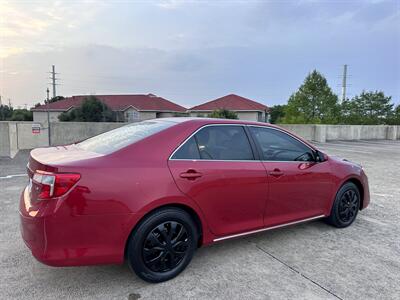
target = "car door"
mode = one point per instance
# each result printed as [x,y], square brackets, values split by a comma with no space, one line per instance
[299,187]
[216,167]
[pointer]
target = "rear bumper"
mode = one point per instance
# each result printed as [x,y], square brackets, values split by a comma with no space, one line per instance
[57,237]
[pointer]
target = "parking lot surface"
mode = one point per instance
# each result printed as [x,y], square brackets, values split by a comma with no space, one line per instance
[308,261]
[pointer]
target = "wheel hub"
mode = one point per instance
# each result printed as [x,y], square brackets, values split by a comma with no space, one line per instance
[348,206]
[165,246]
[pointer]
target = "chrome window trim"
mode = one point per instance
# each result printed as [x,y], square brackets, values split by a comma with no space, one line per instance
[267,228]
[233,160]
[241,160]
[196,131]
[217,160]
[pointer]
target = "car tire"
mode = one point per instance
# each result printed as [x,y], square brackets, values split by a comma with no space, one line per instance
[346,206]
[162,245]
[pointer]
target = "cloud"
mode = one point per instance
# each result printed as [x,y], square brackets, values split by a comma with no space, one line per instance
[7,51]
[33,26]
[193,51]
[19,24]
[170,4]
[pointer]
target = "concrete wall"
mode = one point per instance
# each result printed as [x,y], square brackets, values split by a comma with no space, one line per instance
[305,131]
[63,133]
[13,132]
[323,133]
[4,139]
[398,132]
[8,139]
[356,132]
[28,140]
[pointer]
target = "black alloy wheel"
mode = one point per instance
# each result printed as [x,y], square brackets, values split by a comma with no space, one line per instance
[163,244]
[346,206]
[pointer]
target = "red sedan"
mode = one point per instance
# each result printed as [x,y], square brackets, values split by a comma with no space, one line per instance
[154,191]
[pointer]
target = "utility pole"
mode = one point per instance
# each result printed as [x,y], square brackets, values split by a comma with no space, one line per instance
[48,127]
[54,79]
[9,102]
[344,82]
[53,73]
[53,83]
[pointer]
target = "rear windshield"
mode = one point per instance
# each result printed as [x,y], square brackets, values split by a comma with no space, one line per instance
[116,139]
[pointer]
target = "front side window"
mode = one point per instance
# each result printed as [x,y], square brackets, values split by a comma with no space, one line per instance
[227,142]
[278,146]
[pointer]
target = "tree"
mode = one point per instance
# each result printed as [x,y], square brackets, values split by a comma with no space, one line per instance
[395,117]
[368,108]
[223,114]
[5,112]
[277,113]
[313,102]
[21,115]
[65,116]
[54,99]
[91,110]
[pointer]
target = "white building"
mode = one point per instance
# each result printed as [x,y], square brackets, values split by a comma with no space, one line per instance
[128,108]
[245,109]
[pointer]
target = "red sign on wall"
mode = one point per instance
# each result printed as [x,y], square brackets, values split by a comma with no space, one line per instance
[36,128]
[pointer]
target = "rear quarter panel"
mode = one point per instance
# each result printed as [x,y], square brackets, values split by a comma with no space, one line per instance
[134,180]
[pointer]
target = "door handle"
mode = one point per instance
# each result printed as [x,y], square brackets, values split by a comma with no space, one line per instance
[276,173]
[190,174]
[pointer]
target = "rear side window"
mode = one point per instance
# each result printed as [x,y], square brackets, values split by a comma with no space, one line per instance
[116,139]
[278,146]
[217,143]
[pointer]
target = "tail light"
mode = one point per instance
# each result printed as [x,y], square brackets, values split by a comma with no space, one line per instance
[46,185]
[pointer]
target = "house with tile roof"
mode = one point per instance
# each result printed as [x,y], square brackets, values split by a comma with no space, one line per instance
[128,108]
[245,109]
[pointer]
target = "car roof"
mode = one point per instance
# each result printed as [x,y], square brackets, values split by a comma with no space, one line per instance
[211,121]
[206,121]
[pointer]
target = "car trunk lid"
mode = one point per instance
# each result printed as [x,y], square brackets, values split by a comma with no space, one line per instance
[51,172]
[51,159]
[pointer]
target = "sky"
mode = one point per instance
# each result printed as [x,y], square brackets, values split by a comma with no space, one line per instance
[194,51]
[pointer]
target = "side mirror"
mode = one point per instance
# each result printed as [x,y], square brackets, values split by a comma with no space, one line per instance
[319,156]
